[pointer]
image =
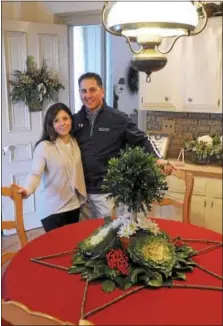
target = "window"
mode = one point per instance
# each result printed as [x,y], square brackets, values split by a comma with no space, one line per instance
[89,52]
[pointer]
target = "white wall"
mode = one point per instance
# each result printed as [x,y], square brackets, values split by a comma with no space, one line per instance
[121,56]
[32,11]
[39,11]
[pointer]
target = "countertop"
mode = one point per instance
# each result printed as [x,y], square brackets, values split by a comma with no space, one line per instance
[208,171]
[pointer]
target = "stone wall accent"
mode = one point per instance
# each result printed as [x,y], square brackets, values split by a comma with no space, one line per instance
[186,125]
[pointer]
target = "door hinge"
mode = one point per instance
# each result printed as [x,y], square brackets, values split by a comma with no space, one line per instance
[218,102]
[142,100]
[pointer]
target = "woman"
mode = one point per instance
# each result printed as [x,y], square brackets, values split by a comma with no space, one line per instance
[57,163]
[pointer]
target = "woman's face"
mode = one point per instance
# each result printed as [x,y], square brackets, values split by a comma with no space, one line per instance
[62,123]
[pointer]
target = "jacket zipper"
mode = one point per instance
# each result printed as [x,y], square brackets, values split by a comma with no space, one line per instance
[92,128]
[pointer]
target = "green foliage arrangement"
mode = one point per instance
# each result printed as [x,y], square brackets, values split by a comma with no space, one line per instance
[205,149]
[135,180]
[132,249]
[34,85]
[151,258]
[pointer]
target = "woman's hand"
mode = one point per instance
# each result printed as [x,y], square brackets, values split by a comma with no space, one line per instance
[23,191]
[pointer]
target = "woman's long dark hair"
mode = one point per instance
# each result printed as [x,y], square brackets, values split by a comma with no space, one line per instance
[49,132]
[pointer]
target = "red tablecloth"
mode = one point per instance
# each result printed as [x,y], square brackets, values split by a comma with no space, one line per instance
[59,294]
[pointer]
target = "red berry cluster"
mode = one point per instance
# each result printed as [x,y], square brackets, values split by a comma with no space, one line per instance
[117,259]
[176,242]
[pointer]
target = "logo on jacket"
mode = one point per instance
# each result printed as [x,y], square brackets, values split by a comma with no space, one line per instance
[80,125]
[103,129]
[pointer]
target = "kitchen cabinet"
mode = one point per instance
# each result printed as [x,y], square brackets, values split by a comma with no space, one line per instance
[191,80]
[206,204]
[220,78]
[200,80]
[163,90]
[213,215]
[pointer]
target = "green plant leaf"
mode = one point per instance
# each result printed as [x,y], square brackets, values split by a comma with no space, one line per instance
[90,263]
[179,276]
[135,272]
[108,286]
[156,282]
[185,269]
[79,260]
[111,273]
[127,283]
[144,278]
[76,269]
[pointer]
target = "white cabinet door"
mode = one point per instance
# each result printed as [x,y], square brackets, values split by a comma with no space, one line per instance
[163,91]
[201,61]
[21,128]
[213,215]
[220,78]
[198,209]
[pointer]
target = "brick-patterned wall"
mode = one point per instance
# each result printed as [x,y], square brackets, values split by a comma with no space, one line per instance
[186,124]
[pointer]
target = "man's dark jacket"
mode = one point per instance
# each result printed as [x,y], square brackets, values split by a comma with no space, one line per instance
[111,131]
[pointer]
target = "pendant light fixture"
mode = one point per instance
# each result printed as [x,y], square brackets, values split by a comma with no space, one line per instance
[148,23]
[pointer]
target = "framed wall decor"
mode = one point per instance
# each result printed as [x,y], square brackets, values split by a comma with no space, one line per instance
[161,139]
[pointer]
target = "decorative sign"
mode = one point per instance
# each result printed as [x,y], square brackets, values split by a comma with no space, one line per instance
[161,141]
[180,157]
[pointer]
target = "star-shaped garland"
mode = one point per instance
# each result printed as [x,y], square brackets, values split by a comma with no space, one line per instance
[83,315]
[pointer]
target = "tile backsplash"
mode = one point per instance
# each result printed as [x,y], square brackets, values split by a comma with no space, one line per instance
[186,124]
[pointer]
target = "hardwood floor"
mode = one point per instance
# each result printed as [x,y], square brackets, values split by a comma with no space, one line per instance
[11,242]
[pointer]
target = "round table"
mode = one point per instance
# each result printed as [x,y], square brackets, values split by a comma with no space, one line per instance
[58,293]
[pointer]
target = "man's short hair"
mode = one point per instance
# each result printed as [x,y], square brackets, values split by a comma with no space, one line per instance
[91,75]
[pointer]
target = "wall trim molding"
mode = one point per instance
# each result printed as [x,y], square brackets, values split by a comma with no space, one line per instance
[90,17]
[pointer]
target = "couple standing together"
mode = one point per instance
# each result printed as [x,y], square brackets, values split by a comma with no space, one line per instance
[71,158]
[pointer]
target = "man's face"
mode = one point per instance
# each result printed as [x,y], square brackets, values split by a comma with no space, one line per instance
[91,94]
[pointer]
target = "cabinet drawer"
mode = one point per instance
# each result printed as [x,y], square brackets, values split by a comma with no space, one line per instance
[214,188]
[177,185]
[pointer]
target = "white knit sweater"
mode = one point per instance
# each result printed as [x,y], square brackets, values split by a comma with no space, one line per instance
[60,173]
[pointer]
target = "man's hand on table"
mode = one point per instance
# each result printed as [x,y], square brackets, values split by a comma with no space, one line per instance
[166,166]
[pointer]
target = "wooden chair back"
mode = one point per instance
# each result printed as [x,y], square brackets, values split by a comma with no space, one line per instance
[17,223]
[186,203]
[16,313]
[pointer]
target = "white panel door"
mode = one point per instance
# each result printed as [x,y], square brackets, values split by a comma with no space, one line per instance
[20,128]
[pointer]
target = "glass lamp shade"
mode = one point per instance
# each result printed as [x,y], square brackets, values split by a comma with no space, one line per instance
[162,19]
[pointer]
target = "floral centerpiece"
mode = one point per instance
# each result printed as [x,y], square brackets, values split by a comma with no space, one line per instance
[150,257]
[34,85]
[205,149]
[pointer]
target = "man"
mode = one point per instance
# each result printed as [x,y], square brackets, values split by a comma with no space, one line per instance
[101,132]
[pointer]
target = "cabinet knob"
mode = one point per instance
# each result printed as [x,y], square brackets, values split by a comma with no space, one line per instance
[190,99]
[166,98]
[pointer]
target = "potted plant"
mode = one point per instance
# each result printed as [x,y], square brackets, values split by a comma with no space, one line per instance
[205,149]
[34,85]
[134,179]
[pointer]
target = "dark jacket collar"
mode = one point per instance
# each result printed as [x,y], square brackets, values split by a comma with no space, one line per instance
[82,112]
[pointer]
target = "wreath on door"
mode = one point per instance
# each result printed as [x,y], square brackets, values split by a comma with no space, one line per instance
[133,80]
